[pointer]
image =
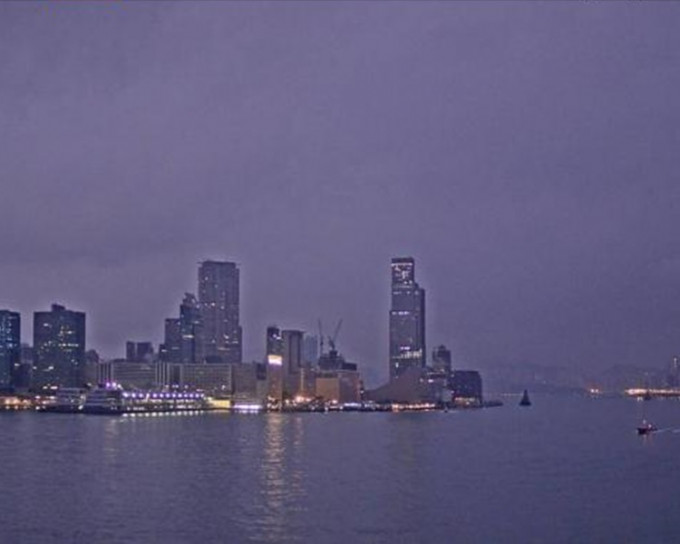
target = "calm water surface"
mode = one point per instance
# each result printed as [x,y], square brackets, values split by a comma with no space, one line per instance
[565,470]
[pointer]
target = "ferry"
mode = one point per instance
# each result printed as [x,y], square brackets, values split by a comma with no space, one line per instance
[68,400]
[112,400]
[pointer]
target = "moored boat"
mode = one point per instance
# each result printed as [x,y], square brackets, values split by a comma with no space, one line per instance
[68,400]
[112,400]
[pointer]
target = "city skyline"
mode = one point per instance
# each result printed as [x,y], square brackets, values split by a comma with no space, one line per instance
[524,155]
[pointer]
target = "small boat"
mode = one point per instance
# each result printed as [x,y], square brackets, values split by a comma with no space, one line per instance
[525,399]
[646,428]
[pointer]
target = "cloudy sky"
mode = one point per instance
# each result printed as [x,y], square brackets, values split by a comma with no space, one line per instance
[525,153]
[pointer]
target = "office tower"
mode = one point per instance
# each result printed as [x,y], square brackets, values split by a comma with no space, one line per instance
[218,296]
[191,330]
[10,348]
[59,344]
[171,351]
[293,375]
[291,342]
[441,360]
[274,361]
[310,349]
[139,352]
[407,318]
[274,346]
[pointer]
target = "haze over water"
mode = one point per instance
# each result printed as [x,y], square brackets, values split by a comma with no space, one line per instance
[568,469]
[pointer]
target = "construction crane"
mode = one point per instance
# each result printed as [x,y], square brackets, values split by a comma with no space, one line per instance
[320,337]
[332,339]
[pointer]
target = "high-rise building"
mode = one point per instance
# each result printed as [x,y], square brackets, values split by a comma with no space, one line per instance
[59,344]
[407,318]
[191,330]
[10,347]
[218,296]
[441,360]
[138,352]
[274,361]
[293,368]
[171,350]
[310,349]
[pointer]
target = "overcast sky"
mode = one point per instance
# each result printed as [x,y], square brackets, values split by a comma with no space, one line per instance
[526,154]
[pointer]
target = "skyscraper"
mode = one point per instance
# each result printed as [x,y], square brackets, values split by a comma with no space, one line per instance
[171,349]
[274,361]
[59,344]
[191,330]
[407,318]
[218,296]
[293,369]
[10,347]
[441,360]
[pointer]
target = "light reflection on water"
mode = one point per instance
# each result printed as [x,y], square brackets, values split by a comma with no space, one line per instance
[566,470]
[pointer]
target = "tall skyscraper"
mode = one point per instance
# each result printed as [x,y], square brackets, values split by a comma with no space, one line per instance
[274,361]
[59,344]
[191,330]
[218,296]
[10,347]
[291,341]
[407,318]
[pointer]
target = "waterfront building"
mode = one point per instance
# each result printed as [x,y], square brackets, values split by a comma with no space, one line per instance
[59,344]
[10,348]
[441,360]
[130,375]
[214,379]
[249,381]
[466,388]
[412,386]
[407,319]
[338,385]
[218,296]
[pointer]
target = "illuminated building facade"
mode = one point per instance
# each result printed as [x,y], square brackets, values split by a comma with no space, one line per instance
[466,388]
[274,361]
[218,296]
[407,319]
[59,348]
[10,347]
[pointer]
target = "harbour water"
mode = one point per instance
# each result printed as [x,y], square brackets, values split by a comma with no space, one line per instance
[567,469]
